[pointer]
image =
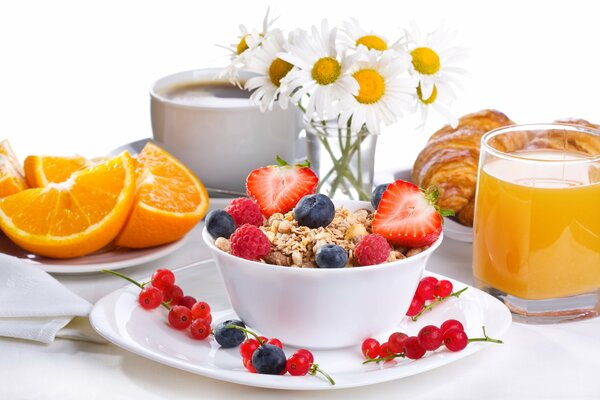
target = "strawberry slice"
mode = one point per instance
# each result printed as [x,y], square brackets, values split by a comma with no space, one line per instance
[409,216]
[277,188]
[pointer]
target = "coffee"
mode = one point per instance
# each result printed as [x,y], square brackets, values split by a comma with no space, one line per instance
[217,93]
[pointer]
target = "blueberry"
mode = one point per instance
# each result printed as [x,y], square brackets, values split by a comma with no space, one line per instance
[377,193]
[314,211]
[269,359]
[229,337]
[219,224]
[331,256]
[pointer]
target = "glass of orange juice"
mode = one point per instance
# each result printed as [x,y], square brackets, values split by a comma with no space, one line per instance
[537,221]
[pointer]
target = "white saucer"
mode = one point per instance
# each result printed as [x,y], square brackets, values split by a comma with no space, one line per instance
[119,319]
[457,231]
[109,258]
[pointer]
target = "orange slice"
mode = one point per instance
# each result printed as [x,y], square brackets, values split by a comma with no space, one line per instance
[75,217]
[11,173]
[170,200]
[41,170]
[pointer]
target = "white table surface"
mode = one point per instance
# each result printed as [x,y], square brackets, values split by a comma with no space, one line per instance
[536,362]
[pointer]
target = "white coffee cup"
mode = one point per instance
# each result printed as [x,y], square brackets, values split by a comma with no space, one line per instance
[223,139]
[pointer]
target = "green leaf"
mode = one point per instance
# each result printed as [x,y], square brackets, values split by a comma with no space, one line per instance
[280,161]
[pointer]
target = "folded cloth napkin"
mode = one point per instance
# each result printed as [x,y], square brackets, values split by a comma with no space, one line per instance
[34,305]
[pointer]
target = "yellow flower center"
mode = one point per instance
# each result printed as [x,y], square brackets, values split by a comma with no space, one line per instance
[278,70]
[425,60]
[371,86]
[326,70]
[242,45]
[431,98]
[372,42]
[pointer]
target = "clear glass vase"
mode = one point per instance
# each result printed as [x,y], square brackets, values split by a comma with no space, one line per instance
[343,160]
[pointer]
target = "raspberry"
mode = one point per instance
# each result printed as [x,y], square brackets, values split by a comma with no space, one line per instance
[372,249]
[245,211]
[249,242]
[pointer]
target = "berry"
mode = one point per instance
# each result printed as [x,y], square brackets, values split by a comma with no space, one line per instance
[430,337]
[180,317]
[309,356]
[370,348]
[451,323]
[229,337]
[248,347]
[416,305]
[425,291]
[269,359]
[150,298]
[377,193]
[277,189]
[443,288]
[244,211]
[199,329]
[297,365]
[187,301]
[455,339]
[172,294]
[263,339]
[384,350]
[248,365]
[201,310]
[429,279]
[396,342]
[372,249]
[207,320]
[407,217]
[219,224]
[314,211]
[331,256]
[412,348]
[250,242]
[162,278]
[275,342]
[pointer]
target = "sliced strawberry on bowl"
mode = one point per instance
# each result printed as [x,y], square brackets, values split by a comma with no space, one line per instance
[277,188]
[409,216]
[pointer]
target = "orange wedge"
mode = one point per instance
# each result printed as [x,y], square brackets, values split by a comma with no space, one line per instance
[75,217]
[41,170]
[11,174]
[170,200]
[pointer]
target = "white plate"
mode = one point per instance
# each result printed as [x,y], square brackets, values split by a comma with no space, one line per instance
[109,258]
[119,319]
[457,231]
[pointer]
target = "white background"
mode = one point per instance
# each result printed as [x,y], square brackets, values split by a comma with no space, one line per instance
[74,75]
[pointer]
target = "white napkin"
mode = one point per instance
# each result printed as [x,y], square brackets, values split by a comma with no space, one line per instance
[34,305]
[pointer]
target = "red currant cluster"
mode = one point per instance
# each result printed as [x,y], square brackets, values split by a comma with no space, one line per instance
[430,338]
[430,292]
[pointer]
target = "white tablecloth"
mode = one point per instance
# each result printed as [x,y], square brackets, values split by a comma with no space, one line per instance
[536,362]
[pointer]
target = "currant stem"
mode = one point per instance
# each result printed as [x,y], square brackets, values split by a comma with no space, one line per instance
[388,358]
[246,331]
[315,368]
[429,307]
[131,280]
[485,338]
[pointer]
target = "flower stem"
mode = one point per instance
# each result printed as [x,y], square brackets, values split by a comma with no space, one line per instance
[131,280]
[485,338]
[429,307]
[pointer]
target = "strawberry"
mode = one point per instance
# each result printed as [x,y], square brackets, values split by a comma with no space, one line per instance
[277,188]
[409,216]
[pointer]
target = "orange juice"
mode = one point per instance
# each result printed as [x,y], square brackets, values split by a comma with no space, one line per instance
[538,237]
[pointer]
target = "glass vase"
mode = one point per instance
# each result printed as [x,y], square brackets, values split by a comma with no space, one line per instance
[343,160]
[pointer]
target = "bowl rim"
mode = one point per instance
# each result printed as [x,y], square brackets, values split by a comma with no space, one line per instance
[208,240]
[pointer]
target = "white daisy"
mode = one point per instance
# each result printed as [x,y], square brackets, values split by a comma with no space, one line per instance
[321,72]
[355,36]
[271,70]
[439,100]
[240,51]
[385,89]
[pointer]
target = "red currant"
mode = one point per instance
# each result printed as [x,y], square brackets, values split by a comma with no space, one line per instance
[275,342]
[248,365]
[199,329]
[396,342]
[172,294]
[412,348]
[307,354]
[200,310]
[430,279]
[455,339]
[384,350]
[416,305]
[162,278]
[425,290]
[263,339]
[187,301]
[297,365]
[150,298]
[370,348]
[451,323]
[207,320]
[430,337]
[180,317]
[443,288]
[247,348]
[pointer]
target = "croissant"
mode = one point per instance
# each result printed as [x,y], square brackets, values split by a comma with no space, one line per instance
[576,142]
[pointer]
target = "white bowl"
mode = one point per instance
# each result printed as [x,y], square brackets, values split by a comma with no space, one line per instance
[320,308]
